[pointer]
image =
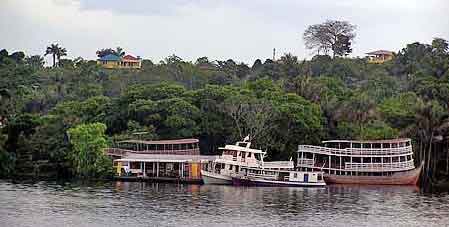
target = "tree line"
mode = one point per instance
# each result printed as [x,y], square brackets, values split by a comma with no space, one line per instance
[282,103]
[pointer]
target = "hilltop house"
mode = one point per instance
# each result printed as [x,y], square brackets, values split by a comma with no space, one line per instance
[112,61]
[380,56]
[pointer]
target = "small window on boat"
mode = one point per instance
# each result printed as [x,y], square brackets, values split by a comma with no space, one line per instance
[409,157]
[295,175]
[249,155]
[402,159]
[320,177]
[230,167]
[222,166]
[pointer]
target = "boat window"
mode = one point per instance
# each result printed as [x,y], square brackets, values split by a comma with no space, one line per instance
[222,165]
[320,177]
[356,145]
[395,159]
[249,155]
[402,159]
[295,175]
[366,145]
[409,157]
[257,156]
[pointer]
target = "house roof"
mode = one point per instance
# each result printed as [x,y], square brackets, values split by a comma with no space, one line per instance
[130,57]
[110,57]
[381,52]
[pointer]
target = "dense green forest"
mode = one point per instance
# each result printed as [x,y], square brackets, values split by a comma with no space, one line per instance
[45,112]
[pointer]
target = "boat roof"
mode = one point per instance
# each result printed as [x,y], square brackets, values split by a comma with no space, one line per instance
[240,148]
[178,141]
[165,158]
[398,140]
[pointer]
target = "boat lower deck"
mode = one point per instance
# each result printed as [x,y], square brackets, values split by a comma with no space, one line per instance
[159,179]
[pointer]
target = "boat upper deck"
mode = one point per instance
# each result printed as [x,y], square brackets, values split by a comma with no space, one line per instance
[175,147]
[372,148]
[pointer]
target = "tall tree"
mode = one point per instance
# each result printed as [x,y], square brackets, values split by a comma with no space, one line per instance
[335,36]
[56,51]
[88,142]
[118,51]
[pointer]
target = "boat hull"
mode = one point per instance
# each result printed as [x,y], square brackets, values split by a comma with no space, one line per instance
[410,177]
[214,178]
[237,181]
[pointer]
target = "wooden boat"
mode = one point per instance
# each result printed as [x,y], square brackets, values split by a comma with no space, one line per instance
[380,162]
[236,158]
[261,177]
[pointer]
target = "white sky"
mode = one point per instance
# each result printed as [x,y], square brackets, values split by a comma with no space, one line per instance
[219,29]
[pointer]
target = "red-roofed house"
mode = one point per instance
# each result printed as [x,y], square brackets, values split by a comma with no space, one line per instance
[112,61]
[380,56]
[129,61]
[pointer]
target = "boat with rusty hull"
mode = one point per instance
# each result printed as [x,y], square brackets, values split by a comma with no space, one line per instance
[375,162]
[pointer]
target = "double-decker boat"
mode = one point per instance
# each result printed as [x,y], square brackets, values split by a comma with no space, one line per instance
[388,162]
[241,165]
[237,158]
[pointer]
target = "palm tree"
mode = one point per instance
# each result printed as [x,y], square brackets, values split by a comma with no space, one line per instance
[56,51]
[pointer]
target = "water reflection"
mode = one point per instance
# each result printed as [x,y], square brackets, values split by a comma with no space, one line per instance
[152,204]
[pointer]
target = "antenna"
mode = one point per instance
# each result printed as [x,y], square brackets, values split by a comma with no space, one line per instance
[274,54]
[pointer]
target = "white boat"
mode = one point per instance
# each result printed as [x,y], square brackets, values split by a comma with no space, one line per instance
[289,178]
[234,159]
[215,178]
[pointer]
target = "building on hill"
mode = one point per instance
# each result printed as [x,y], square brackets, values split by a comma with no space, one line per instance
[112,61]
[380,56]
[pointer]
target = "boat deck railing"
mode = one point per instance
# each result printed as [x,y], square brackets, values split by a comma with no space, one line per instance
[278,164]
[356,151]
[122,152]
[374,167]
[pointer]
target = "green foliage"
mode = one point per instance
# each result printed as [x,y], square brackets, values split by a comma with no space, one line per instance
[280,103]
[87,155]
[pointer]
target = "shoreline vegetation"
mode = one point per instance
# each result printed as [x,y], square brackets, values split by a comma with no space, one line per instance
[55,121]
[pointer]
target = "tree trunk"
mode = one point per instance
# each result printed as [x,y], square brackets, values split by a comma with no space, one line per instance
[54,60]
[429,155]
[447,156]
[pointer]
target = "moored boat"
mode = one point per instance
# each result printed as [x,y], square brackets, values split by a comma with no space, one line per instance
[261,177]
[381,162]
[237,158]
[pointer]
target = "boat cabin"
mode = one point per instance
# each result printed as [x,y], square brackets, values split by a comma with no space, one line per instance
[354,157]
[168,160]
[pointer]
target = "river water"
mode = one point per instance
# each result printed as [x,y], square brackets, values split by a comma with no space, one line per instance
[151,204]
